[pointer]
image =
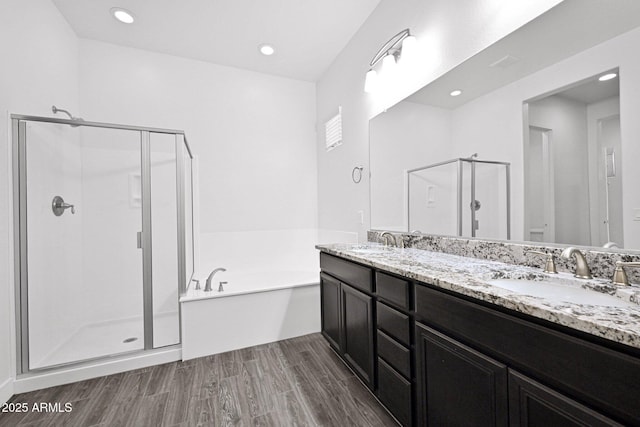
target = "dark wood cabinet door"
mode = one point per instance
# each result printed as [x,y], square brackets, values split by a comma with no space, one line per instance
[531,405]
[330,309]
[357,332]
[456,385]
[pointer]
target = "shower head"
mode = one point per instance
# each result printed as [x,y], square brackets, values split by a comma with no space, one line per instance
[56,110]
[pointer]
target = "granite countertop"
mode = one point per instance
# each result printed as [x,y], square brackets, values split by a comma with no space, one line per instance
[469,276]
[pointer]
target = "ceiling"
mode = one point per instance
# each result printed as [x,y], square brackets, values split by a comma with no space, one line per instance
[307,35]
[568,28]
[592,90]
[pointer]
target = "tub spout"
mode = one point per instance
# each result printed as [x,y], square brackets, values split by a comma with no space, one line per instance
[207,287]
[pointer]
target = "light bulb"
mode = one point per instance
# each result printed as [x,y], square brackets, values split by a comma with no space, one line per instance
[371,81]
[409,47]
[267,49]
[608,76]
[122,15]
[388,64]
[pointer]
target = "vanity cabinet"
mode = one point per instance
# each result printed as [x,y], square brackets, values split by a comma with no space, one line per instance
[394,344]
[357,332]
[457,385]
[434,357]
[331,318]
[532,404]
[543,375]
[347,320]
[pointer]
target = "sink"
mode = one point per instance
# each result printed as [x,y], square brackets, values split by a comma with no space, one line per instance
[560,292]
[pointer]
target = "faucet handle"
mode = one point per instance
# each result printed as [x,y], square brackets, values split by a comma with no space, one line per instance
[220,287]
[550,263]
[619,275]
[197,288]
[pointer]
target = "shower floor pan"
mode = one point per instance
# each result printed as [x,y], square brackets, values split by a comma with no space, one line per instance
[109,338]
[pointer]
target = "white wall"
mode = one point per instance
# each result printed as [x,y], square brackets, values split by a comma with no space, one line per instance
[111,263]
[495,120]
[448,33]
[40,68]
[253,133]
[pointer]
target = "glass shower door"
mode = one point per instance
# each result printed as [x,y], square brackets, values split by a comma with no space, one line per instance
[491,201]
[81,197]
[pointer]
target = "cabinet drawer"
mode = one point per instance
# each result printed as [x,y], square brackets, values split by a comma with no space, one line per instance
[393,290]
[395,354]
[353,274]
[393,323]
[395,392]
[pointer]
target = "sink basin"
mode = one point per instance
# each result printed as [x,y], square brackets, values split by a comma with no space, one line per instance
[560,292]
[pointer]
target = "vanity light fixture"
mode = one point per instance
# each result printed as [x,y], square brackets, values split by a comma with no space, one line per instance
[607,76]
[122,15]
[266,49]
[401,45]
[456,92]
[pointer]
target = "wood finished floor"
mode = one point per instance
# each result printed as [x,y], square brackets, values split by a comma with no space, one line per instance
[296,382]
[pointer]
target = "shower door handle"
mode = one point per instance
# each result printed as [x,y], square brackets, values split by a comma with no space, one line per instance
[139,237]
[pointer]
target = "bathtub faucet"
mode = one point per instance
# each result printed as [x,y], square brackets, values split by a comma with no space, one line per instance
[207,287]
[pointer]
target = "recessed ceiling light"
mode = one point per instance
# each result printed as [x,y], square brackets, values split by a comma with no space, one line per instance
[456,92]
[608,76]
[122,15]
[266,49]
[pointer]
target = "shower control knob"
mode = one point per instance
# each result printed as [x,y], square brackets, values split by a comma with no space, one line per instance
[58,206]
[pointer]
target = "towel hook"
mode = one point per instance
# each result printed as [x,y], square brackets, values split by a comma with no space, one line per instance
[356,174]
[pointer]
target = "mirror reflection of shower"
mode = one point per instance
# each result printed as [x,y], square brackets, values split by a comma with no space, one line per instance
[573,172]
[445,198]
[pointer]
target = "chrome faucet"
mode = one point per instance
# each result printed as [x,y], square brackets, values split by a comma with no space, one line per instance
[582,268]
[550,264]
[619,275]
[384,237]
[207,287]
[396,240]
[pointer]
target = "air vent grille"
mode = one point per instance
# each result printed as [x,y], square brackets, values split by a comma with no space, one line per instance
[333,131]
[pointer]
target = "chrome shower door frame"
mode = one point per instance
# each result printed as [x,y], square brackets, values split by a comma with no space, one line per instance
[460,180]
[19,176]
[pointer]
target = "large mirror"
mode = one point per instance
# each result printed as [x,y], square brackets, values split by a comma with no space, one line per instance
[535,148]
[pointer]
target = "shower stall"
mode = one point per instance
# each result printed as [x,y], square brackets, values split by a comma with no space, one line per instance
[463,197]
[103,239]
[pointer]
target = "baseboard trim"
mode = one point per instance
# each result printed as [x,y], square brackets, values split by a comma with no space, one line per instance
[6,390]
[39,380]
